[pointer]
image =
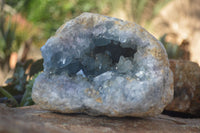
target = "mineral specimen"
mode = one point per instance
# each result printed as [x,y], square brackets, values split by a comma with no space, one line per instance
[186,87]
[104,66]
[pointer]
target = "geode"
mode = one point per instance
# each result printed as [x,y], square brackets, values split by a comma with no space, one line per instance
[104,66]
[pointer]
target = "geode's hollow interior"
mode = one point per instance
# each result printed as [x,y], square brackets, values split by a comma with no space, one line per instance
[114,51]
[102,58]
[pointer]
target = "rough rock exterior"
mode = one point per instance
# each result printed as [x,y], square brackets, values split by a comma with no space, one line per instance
[186,87]
[104,66]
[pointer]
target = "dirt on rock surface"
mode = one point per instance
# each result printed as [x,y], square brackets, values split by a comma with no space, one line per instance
[32,119]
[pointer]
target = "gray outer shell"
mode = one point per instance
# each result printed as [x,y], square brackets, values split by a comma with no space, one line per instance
[144,91]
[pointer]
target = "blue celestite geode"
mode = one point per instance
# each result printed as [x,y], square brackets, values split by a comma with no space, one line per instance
[104,66]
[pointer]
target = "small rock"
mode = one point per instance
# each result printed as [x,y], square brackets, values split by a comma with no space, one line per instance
[104,66]
[186,87]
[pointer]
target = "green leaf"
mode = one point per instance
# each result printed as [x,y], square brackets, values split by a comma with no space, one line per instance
[8,95]
[27,99]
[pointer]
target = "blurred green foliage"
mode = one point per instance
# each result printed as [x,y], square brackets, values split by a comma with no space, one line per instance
[27,99]
[143,11]
[15,31]
[9,96]
[21,83]
[7,36]
[18,80]
[173,50]
[50,14]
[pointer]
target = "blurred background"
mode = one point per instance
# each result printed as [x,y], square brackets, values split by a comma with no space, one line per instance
[25,25]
